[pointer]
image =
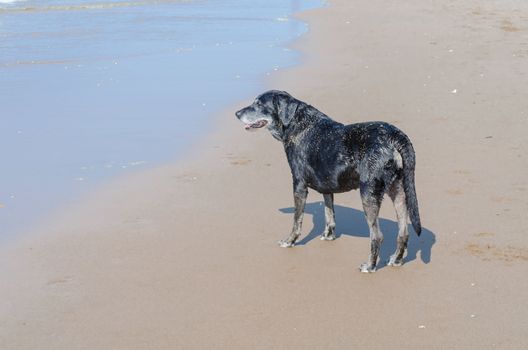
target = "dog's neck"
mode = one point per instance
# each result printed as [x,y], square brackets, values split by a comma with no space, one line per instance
[292,133]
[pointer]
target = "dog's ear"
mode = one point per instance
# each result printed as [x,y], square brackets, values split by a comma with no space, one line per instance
[286,107]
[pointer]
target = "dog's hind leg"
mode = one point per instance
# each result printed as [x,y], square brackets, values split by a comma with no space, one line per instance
[397,195]
[299,196]
[371,198]
[329,234]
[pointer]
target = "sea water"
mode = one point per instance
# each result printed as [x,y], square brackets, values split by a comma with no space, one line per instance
[92,89]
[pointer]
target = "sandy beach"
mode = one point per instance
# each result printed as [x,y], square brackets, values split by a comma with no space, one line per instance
[184,256]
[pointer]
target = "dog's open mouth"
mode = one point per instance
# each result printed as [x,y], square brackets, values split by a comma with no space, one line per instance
[256,125]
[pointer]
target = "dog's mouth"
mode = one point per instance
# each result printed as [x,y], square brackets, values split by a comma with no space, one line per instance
[256,125]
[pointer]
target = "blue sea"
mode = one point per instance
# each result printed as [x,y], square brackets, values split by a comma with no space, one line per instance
[91,90]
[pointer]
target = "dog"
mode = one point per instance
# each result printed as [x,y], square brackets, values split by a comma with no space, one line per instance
[329,157]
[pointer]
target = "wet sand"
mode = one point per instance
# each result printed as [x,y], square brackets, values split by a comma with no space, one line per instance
[185,256]
[95,90]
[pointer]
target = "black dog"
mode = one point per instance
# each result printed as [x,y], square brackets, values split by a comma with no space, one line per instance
[330,157]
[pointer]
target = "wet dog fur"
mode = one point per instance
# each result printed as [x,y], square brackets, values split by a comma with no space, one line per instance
[329,157]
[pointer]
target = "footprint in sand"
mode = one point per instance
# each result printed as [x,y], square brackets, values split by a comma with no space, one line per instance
[241,161]
[508,26]
[493,252]
[485,234]
[500,199]
[59,280]
[236,160]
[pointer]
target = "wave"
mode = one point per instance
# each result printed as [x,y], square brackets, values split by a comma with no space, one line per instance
[36,62]
[9,1]
[84,6]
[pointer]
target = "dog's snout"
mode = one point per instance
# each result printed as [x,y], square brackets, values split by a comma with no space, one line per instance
[239,113]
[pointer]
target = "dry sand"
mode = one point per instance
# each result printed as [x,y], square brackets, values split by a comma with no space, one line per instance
[185,256]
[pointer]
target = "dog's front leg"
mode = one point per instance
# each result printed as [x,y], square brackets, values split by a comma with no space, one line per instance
[300,192]
[329,234]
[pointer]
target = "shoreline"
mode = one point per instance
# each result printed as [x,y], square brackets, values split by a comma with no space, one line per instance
[186,256]
[109,117]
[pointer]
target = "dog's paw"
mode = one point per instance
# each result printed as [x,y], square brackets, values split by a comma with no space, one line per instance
[395,262]
[325,237]
[366,268]
[284,243]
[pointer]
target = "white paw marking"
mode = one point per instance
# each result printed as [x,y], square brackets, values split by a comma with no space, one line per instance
[364,268]
[394,262]
[327,238]
[285,244]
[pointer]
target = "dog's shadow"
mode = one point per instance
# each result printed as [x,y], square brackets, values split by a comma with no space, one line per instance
[351,222]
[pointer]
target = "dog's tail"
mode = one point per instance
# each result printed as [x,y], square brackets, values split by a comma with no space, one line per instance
[409,161]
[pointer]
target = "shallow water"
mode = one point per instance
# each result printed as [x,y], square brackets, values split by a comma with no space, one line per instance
[93,89]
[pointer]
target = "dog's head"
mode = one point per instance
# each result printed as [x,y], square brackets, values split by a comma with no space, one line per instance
[273,110]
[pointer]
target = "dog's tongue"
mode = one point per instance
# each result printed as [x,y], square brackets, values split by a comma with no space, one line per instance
[256,125]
